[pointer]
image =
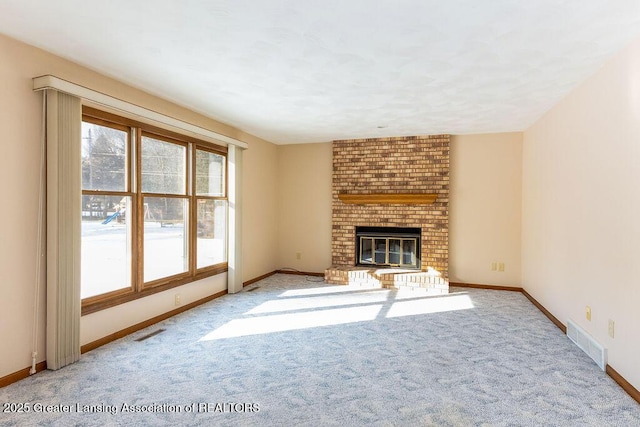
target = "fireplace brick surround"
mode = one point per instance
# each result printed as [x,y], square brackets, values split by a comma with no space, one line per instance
[398,165]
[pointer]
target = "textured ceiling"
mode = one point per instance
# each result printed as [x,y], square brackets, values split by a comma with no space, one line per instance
[295,71]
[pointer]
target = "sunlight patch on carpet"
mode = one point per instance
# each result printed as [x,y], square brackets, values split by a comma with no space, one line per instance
[430,305]
[332,289]
[293,321]
[320,301]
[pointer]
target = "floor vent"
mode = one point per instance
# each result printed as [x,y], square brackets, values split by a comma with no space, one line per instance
[588,344]
[152,334]
[253,289]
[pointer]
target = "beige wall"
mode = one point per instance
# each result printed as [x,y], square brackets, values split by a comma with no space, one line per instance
[581,208]
[485,202]
[20,121]
[259,214]
[484,208]
[304,206]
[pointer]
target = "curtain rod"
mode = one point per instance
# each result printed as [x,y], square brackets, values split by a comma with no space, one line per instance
[52,82]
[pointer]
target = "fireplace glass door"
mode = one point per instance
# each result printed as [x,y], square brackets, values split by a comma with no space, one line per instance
[380,251]
[395,252]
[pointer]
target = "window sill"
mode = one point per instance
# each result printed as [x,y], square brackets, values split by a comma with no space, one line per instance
[93,304]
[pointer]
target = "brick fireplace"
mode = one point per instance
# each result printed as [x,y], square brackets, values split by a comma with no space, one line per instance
[391,182]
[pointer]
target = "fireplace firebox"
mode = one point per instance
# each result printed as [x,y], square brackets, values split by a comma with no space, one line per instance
[388,247]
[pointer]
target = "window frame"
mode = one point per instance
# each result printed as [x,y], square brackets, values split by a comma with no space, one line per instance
[139,288]
[128,192]
[140,197]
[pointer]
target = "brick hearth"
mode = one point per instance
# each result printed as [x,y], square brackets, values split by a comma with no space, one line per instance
[420,281]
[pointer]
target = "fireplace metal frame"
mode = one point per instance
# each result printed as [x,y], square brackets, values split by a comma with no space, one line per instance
[372,237]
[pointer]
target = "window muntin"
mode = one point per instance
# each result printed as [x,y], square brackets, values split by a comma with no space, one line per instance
[174,230]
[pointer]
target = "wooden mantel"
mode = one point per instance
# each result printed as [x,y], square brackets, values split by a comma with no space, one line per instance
[387,199]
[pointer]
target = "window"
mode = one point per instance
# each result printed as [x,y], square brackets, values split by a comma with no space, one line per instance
[154,210]
[211,215]
[107,237]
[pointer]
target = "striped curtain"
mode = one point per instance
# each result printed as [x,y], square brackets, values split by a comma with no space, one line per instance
[64,120]
[234,273]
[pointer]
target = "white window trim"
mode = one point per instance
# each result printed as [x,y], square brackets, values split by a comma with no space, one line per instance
[52,82]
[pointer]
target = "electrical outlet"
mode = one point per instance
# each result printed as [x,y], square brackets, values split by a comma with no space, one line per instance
[494,266]
[611,328]
[177,299]
[501,266]
[588,313]
[298,255]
